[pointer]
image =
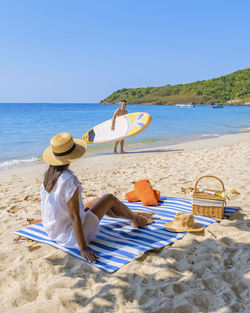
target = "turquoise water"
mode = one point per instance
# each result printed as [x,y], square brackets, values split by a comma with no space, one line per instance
[26,128]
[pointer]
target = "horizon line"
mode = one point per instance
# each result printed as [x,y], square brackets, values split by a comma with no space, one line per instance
[59,102]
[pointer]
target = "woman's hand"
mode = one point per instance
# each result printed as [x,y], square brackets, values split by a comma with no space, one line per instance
[89,255]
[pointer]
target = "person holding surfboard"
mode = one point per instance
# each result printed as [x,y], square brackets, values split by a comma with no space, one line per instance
[119,112]
[66,219]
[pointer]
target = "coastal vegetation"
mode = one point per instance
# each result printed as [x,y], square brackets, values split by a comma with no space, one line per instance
[233,88]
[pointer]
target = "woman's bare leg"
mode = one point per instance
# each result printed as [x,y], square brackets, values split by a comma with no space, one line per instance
[110,203]
[88,205]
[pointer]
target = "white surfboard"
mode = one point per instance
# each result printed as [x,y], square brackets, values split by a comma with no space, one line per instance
[125,126]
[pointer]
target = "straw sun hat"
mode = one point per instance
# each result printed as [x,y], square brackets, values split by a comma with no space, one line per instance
[183,222]
[64,149]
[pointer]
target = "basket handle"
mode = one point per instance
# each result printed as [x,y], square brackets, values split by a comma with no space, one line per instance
[195,187]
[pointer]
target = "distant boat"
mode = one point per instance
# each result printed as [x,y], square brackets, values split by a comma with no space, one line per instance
[217,105]
[185,106]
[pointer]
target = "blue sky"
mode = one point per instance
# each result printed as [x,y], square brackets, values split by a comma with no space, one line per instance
[81,51]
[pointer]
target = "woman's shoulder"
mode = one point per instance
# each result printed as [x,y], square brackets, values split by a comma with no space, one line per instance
[68,175]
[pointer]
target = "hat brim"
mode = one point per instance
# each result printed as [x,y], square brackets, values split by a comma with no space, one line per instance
[197,227]
[51,159]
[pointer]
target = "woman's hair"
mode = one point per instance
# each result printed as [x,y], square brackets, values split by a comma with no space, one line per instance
[51,176]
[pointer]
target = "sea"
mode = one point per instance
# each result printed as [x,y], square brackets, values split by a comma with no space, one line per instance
[26,128]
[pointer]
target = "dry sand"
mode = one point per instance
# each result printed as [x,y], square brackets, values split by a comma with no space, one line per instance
[199,273]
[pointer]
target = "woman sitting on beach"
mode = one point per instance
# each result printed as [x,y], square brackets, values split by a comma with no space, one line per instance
[66,219]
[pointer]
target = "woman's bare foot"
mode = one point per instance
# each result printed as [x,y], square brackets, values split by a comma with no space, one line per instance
[140,221]
[145,214]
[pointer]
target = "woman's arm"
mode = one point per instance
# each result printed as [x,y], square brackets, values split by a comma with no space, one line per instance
[74,211]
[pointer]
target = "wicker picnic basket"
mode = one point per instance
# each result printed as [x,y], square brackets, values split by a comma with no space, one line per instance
[206,204]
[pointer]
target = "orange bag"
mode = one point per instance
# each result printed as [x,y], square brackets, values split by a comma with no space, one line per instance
[132,197]
[145,192]
[157,195]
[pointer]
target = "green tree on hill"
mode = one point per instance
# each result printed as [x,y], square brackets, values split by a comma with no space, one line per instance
[231,87]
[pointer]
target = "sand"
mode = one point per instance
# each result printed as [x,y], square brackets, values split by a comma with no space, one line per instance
[199,273]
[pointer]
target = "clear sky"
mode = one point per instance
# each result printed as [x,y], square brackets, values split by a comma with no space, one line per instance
[82,51]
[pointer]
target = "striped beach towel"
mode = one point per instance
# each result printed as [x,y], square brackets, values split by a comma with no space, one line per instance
[118,243]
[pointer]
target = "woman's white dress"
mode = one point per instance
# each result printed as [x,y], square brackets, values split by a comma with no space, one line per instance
[55,214]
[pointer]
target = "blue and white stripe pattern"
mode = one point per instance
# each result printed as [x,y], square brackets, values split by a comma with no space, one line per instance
[118,243]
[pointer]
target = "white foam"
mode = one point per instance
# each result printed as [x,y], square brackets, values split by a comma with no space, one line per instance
[210,135]
[17,162]
[245,129]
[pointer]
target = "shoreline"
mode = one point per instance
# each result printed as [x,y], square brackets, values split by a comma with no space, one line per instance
[108,161]
[167,127]
[132,146]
